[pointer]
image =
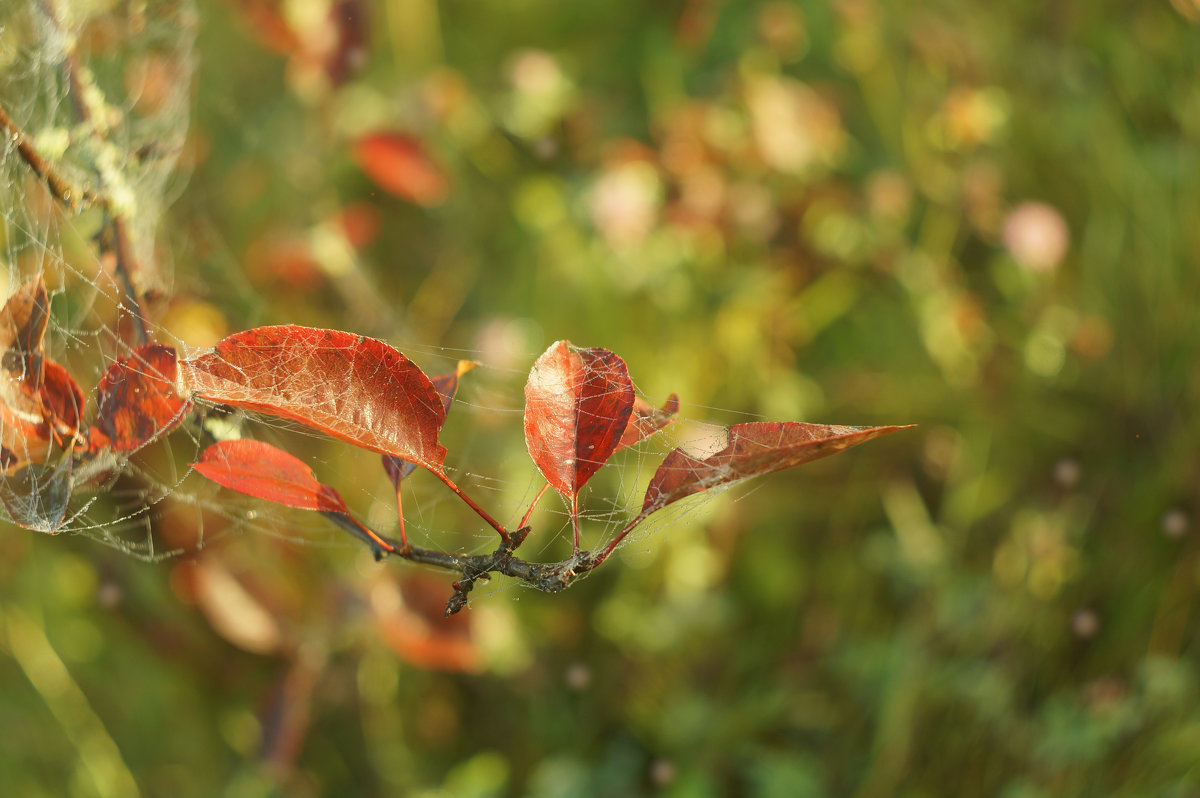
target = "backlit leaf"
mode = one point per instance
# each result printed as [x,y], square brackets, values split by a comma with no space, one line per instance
[62,401]
[577,406]
[261,470]
[357,389]
[751,450]
[138,400]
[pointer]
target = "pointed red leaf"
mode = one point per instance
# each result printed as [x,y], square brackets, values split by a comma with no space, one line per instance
[446,385]
[400,165]
[646,419]
[261,470]
[353,388]
[752,449]
[138,399]
[577,405]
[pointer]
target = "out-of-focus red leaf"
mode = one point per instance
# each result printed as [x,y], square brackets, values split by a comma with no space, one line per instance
[410,619]
[751,450]
[646,419]
[261,470]
[232,609]
[446,385]
[400,165]
[138,399]
[62,401]
[577,406]
[36,496]
[353,388]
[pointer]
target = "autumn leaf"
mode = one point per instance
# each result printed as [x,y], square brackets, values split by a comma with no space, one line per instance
[357,389]
[138,400]
[62,402]
[264,471]
[23,323]
[261,470]
[751,450]
[577,406]
[400,165]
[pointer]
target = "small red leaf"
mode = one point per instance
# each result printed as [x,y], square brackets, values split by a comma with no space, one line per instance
[353,388]
[752,449]
[62,401]
[138,400]
[400,165]
[446,385]
[261,470]
[577,406]
[646,419]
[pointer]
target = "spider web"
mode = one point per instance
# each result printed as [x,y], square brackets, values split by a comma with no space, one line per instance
[102,92]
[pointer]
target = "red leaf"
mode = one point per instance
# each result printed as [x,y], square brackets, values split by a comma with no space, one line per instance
[138,400]
[400,165]
[353,388]
[752,449]
[446,385]
[261,470]
[62,401]
[645,420]
[577,406]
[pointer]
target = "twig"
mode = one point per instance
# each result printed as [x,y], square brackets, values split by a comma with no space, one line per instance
[59,187]
[125,260]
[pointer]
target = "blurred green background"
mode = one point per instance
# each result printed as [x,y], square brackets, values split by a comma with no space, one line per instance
[981,218]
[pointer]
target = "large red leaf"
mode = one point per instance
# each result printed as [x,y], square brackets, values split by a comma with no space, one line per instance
[577,406]
[354,388]
[646,419]
[400,165]
[261,470]
[752,449]
[138,399]
[446,385]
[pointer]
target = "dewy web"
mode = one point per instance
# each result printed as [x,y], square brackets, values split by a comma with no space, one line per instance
[109,113]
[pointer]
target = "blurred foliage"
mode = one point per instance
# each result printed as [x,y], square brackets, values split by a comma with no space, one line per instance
[976,217]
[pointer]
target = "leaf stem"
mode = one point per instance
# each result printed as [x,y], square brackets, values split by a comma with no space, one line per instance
[611,547]
[528,513]
[496,525]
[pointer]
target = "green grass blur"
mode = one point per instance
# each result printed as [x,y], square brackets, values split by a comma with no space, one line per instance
[982,218]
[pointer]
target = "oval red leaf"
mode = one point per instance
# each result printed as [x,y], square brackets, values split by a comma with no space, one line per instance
[62,402]
[353,388]
[752,449]
[261,470]
[138,399]
[577,406]
[400,165]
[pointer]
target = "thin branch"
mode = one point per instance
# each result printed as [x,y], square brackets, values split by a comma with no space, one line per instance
[126,262]
[59,186]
